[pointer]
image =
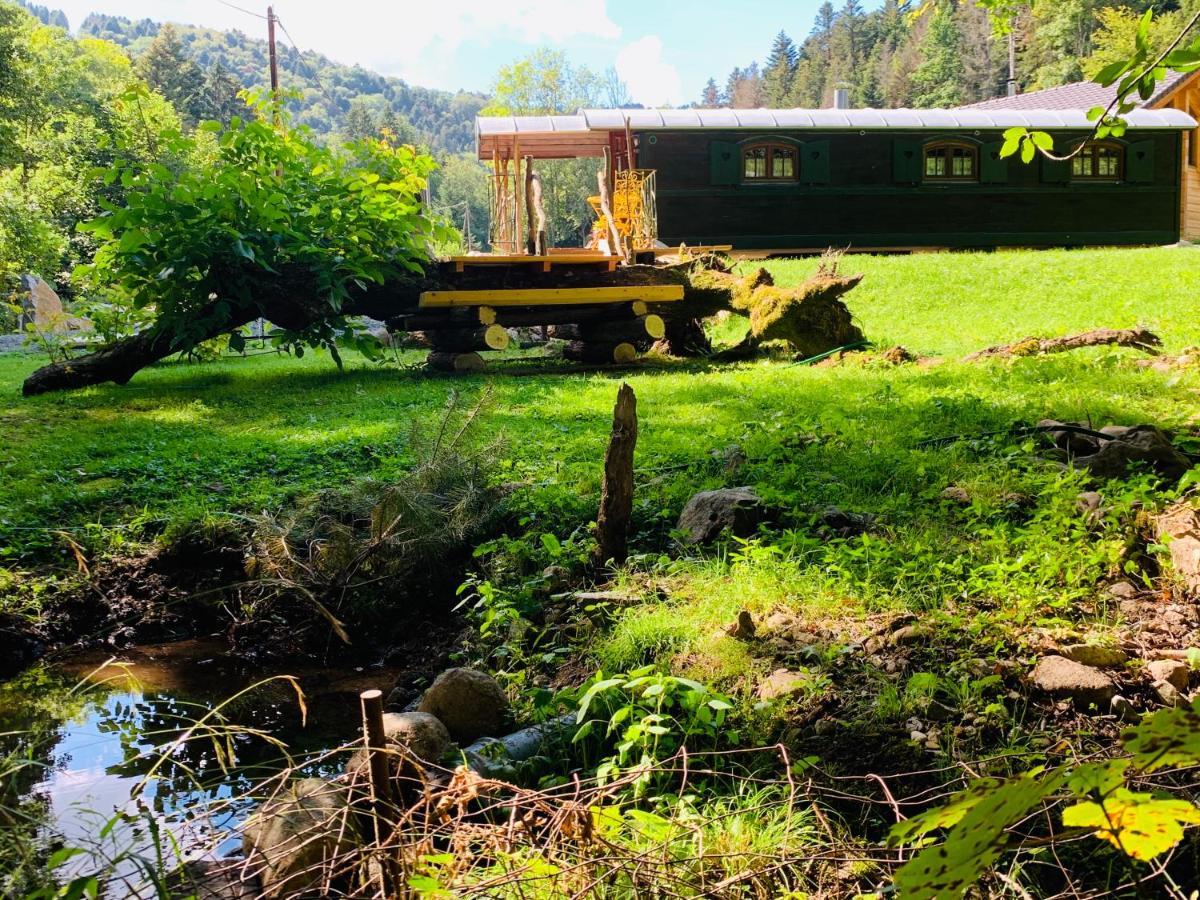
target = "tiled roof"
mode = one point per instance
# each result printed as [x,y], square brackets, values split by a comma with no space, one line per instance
[1080,95]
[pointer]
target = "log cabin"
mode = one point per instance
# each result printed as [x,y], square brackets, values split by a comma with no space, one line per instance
[773,181]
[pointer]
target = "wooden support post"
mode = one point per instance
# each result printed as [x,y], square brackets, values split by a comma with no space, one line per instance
[614,236]
[616,492]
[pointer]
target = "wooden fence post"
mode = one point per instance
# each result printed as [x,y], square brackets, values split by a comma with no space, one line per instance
[616,493]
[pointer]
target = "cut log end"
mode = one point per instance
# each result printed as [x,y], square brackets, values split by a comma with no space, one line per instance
[443,361]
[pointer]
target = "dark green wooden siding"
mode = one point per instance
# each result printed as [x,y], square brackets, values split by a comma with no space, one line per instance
[864,190]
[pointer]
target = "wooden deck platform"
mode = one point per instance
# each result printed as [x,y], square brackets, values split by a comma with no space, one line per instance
[662,293]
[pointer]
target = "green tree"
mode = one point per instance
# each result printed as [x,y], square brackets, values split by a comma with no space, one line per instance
[460,191]
[710,97]
[359,123]
[218,99]
[167,68]
[780,70]
[938,80]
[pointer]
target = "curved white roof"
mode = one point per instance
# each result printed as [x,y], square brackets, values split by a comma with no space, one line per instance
[907,119]
[825,119]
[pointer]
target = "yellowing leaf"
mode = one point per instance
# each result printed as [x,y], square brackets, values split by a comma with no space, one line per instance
[1166,739]
[1140,825]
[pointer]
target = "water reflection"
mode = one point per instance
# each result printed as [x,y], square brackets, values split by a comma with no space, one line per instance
[122,756]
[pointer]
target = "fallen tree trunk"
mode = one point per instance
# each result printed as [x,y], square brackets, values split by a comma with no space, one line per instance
[1139,338]
[291,301]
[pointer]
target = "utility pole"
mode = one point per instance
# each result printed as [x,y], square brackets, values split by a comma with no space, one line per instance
[1012,61]
[271,50]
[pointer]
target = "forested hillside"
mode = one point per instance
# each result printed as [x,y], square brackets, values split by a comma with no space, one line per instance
[948,54]
[333,98]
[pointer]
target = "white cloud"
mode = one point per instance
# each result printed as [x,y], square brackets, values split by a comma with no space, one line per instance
[415,39]
[652,81]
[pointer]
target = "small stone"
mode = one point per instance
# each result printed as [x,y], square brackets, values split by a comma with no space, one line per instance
[470,703]
[909,634]
[743,629]
[1062,677]
[1123,709]
[845,524]
[918,736]
[781,683]
[1093,655]
[1122,590]
[938,712]
[1173,672]
[1167,693]
[956,494]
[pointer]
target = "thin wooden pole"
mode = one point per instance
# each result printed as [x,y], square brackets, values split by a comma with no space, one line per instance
[382,805]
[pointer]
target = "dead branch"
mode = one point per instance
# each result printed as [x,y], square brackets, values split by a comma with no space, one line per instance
[1138,338]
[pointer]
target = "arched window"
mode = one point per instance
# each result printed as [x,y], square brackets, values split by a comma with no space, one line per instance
[1098,162]
[951,161]
[769,162]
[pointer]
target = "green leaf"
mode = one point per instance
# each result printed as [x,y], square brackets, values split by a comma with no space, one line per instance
[1042,140]
[1028,151]
[947,870]
[1138,824]
[1112,72]
[1165,739]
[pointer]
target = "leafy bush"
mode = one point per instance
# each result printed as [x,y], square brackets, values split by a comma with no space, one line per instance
[647,716]
[273,222]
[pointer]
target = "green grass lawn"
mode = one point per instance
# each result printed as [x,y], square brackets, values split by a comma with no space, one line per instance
[242,435]
[951,304]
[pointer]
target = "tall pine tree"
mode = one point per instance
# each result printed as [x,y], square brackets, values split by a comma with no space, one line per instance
[167,68]
[780,71]
[939,80]
[710,98]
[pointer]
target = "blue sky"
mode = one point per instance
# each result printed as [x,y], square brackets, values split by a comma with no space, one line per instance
[664,51]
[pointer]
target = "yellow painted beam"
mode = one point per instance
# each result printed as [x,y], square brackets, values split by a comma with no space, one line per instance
[659,293]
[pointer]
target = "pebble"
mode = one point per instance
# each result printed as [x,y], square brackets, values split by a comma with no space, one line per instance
[1173,672]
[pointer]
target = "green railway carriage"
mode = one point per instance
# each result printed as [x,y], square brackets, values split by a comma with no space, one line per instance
[802,180]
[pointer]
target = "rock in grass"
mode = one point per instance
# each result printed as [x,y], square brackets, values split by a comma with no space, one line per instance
[1172,671]
[470,703]
[1062,677]
[1093,655]
[1144,444]
[293,839]
[1167,693]
[781,683]
[1179,528]
[738,510]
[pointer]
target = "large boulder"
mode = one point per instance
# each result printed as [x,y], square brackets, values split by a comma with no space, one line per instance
[40,304]
[292,842]
[470,703]
[738,510]
[414,735]
[1062,677]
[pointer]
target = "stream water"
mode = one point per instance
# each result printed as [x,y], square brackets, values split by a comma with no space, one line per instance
[114,740]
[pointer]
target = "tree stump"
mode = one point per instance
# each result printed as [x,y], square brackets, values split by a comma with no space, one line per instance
[616,492]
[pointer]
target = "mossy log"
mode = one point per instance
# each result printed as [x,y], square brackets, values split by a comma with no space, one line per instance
[634,331]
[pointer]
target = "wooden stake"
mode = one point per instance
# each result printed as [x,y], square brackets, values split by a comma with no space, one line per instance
[383,805]
[616,493]
[614,236]
[376,742]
